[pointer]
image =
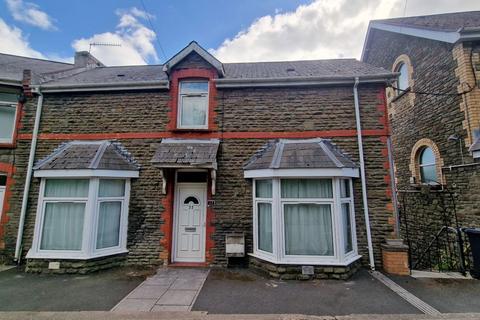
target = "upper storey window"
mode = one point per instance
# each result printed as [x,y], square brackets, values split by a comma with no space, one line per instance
[193,105]
[402,83]
[8,114]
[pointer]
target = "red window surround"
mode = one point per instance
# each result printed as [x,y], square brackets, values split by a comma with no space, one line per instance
[9,170]
[189,74]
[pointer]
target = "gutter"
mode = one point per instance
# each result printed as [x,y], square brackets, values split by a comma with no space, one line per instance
[28,178]
[132,85]
[362,173]
[9,82]
[300,81]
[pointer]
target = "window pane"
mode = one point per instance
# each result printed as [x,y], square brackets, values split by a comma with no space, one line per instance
[9,97]
[307,188]
[63,226]
[194,111]
[265,227]
[193,87]
[3,180]
[347,227]
[263,188]
[111,188]
[109,224]
[427,157]
[403,77]
[308,229]
[66,188]
[428,174]
[7,122]
[345,188]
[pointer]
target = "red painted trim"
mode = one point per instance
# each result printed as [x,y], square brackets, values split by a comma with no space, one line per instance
[210,227]
[9,169]
[183,74]
[18,125]
[167,227]
[206,135]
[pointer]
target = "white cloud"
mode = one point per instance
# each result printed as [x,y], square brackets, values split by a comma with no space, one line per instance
[30,13]
[14,42]
[322,29]
[135,39]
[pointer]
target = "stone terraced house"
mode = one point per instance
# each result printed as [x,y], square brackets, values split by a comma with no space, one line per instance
[434,112]
[197,163]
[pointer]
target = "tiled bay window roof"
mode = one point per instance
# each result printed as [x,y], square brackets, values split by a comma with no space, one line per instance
[299,154]
[102,155]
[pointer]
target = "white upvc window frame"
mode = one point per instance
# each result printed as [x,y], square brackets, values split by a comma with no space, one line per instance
[14,127]
[278,256]
[90,222]
[181,95]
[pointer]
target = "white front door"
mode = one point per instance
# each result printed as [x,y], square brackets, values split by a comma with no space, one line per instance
[190,214]
[2,196]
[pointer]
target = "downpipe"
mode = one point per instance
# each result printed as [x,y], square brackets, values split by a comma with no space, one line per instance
[28,178]
[362,173]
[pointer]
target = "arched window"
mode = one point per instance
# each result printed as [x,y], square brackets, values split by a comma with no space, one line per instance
[427,165]
[402,83]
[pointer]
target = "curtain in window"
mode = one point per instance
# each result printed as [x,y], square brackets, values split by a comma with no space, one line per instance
[66,188]
[347,227]
[307,188]
[194,111]
[263,188]
[308,229]
[265,227]
[7,121]
[63,226]
[108,224]
[111,188]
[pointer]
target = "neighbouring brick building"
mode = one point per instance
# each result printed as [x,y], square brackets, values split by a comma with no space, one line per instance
[434,112]
[186,162]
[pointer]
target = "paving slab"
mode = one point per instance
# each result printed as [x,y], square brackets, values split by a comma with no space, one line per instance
[445,295]
[20,291]
[177,298]
[242,291]
[170,289]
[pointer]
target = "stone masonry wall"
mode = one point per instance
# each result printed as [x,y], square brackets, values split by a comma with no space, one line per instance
[296,111]
[435,68]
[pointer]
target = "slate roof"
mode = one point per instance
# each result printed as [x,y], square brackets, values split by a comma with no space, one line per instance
[105,155]
[115,75]
[305,68]
[11,66]
[345,68]
[438,22]
[299,154]
[186,153]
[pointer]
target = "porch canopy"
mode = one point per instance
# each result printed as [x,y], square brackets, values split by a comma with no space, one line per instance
[300,158]
[187,153]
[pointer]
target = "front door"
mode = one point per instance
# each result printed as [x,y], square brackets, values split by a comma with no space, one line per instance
[190,214]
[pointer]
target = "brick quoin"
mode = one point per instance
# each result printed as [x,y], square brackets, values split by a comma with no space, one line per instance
[167,215]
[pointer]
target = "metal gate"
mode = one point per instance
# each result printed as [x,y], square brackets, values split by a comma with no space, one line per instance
[431,227]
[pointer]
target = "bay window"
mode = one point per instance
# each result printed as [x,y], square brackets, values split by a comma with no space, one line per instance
[81,218]
[304,221]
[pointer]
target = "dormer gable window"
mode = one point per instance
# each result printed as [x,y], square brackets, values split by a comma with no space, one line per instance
[193,105]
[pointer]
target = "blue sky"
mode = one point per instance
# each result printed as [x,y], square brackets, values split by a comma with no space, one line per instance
[247,30]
